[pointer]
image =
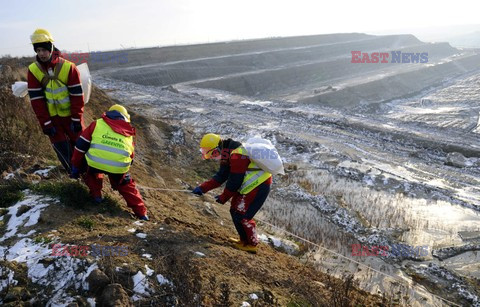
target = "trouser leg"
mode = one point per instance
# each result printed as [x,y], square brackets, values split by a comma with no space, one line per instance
[237,222]
[94,182]
[63,150]
[125,185]
[252,203]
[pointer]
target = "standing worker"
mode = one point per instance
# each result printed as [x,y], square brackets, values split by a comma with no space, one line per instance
[56,96]
[247,185]
[107,147]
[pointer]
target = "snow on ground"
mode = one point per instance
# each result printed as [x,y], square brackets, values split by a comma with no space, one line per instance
[149,270]
[148,256]
[44,172]
[163,281]
[9,176]
[386,163]
[25,213]
[92,302]
[59,273]
[256,102]
[9,281]
[283,244]
[141,235]
[140,286]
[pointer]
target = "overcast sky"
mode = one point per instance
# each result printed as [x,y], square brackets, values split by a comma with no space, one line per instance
[106,25]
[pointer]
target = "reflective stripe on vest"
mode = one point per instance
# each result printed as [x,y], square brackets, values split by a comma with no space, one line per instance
[109,151]
[254,177]
[55,89]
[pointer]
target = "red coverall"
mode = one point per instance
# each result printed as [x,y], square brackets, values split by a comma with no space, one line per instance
[242,207]
[64,139]
[123,183]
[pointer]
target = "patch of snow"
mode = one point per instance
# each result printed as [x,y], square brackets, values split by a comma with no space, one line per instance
[140,286]
[253,296]
[286,245]
[141,235]
[369,180]
[31,232]
[85,275]
[148,256]
[200,254]
[163,281]
[91,301]
[61,274]
[132,230]
[36,203]
[44,172]
[245,304]
[196,110]
[138,223]
[256,102]
[9,176]
[149,270]
[9,281]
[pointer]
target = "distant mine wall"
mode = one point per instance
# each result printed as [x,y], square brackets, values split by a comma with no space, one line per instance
[188,52]
[284,80]
[232,68]
[396,86]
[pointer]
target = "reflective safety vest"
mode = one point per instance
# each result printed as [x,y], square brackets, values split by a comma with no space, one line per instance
[55,87]
[254,176]
[109,151]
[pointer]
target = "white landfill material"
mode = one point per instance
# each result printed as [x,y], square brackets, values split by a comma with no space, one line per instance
[265,155]
[86,80]
[20,89]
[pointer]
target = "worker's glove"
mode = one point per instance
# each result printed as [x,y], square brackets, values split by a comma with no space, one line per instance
[219,200]
[50,131]
[197,191]
[75,174]
[76,126]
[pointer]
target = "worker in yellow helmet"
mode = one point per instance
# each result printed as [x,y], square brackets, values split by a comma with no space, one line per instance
[107,147]
[56,95]
[246,185]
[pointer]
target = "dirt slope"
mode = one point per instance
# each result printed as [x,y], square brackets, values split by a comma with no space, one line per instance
[186,237]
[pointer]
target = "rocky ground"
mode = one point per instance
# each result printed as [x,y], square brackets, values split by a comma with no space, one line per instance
[375,155]
[389,158]
[181,257]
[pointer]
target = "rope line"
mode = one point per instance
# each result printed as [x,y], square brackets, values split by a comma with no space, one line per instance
[354,261]
[163,189]
[317,245]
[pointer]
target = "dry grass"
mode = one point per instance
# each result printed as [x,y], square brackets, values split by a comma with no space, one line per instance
[223,277]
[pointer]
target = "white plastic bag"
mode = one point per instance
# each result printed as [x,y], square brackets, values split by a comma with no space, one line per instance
[265,155]
[20,89]
[86,80]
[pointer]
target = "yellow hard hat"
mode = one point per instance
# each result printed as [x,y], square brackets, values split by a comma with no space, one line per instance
[41,36]
[208,144]
[121,110]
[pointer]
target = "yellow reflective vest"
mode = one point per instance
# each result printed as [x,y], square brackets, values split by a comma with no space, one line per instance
[254,176]
[109,151]
[55,87]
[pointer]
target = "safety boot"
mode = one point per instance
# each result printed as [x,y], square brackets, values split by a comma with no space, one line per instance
[245,247]
[234,240]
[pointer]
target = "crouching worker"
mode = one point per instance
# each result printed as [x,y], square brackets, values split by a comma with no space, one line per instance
[247,186]
[107,147]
